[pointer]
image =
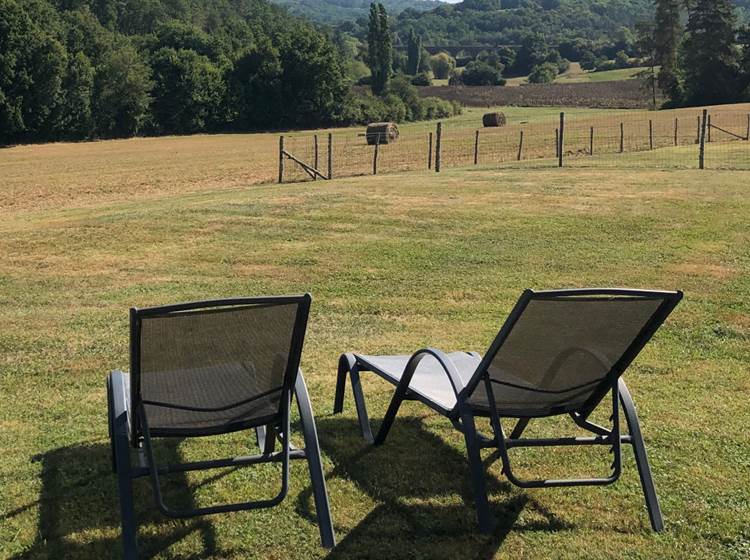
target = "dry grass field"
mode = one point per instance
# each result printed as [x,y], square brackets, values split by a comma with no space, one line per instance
[394,262]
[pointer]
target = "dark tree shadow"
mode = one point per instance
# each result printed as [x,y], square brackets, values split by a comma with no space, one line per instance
[414,478]
[79,494]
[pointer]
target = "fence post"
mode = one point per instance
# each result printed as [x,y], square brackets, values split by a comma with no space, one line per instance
[622,137]
[702,149]
[330,156]
[562,140]
[375,155]
[520,147]
[281,159]
[591,142]
[557,142]
[747,136]
[650,134]
[429,152]
[476,147]
[675,131]
[315,157]
[709,128]
[438,137]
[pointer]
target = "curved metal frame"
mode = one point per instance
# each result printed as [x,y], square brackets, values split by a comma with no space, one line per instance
[463,415]
[129,431]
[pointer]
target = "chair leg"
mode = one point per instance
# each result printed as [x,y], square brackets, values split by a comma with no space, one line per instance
[359,401]
[312,452]
[346,364]
[390,415]
[121,446]
[641,459]
[260,437]
[476,469]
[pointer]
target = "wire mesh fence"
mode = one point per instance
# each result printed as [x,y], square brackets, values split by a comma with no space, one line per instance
[712,138]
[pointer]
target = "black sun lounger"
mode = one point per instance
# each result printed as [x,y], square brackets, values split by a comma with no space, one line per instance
[559,353]
[209,368]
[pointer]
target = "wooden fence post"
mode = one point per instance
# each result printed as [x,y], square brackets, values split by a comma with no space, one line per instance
[315,155]
[557,142]
[709,128]
[429,151]
[650,134]
[622,137]
[438,138]
[747,136]
[330,156]
[562,140]
[675,131]
[520,147]
[476,147]
[375,155]
[702,149]
[281,159]
[591,142]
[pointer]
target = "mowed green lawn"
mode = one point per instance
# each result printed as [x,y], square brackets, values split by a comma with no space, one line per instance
[394,263]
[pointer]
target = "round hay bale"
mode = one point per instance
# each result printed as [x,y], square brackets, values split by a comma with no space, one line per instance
[381,133]
[494,119]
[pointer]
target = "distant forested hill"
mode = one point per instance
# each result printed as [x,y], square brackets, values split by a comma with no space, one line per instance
[509,21]
[338,11]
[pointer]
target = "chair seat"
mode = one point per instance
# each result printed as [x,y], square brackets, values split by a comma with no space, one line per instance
[430,380]
[189,387]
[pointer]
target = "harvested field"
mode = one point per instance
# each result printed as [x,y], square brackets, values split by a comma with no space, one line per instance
[622,94]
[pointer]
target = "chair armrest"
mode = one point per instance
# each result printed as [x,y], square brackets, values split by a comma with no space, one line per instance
[445,362]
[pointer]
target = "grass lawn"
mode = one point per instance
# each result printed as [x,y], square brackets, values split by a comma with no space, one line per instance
[576,75]
[394,263]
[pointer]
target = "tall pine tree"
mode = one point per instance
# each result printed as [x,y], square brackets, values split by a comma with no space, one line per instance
[414,52]
[711,55]
[380,48]
[667,38]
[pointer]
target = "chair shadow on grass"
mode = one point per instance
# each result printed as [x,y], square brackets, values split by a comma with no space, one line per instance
[79,496]
[414,479]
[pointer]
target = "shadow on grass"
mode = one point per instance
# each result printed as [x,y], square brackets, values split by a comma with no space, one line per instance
[414,479]
[79,510]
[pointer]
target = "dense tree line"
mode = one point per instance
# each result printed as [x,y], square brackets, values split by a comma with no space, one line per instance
[77,69]
[706,60]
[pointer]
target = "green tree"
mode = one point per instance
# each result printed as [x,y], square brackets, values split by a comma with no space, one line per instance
[121,93]
[622,60]
[254,84]
[380,48]
[710,62]
[414,52]
[442,65]
[667,37]
[76,113]
[313,87]
[480,73]
[32,67]
[645,46]
[543,73]
[188,92]
[744,40]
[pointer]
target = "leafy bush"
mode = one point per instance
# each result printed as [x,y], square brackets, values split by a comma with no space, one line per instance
[604,65]
[422,79]
[478,73]
[442,65]
[622,60]
[544,73]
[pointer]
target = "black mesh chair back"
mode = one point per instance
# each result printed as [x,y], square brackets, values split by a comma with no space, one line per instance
[215,367]
[561,352]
